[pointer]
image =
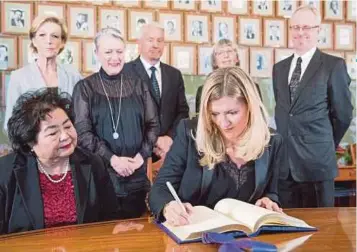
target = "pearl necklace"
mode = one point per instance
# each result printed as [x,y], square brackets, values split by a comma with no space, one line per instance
[48,175]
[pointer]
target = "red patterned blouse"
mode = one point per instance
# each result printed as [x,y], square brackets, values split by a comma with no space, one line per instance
[59,203]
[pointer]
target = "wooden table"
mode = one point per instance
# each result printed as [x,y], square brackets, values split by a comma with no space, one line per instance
[337,232]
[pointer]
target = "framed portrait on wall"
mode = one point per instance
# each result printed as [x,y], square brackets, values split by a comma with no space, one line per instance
[263,7]
[90,61]
[72,54]
[351,10]
[243,55]
[131,51]
[128,3]
[197,30]
[261,62]
[81,21]
[211,5]
[26,55]
[157,4]
[238,7]
[325,36]
[4,81]
[335,53]
[313,3]
[50,9]
[224,28]
[137,19]
[16,17]
[275,34]
[334,10]
[250,31]
[204,59]
[183,57]
[345,37]
[172,22]
[351,64]
[8,52]
[115,18]
[184,4]
[285,8]
[283,53]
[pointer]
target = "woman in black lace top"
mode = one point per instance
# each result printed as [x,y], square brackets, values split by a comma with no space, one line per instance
[115,117]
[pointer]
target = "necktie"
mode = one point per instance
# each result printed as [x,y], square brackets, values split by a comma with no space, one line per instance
[155,84]
[295,79]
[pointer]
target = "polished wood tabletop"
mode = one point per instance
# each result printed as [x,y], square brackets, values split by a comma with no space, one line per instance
[336,232]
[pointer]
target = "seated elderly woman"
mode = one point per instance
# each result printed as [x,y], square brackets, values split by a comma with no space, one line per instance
[233,153]
[224,54]
[47,181]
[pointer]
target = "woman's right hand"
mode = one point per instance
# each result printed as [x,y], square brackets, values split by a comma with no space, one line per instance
[175,215]
[122,165]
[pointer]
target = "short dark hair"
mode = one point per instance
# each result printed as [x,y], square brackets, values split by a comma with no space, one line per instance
[4,46]
[30,109]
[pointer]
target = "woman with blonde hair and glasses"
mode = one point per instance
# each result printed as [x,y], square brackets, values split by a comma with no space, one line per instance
[229,152]
[224,54]
[48,35]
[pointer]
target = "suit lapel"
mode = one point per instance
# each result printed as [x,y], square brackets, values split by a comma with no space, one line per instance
[29,185]
[81,172]
[261,169]
[310,71]
[284,83]
[165,79]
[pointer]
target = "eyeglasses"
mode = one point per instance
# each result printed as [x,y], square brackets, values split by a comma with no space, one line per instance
[305,28]
[221,53]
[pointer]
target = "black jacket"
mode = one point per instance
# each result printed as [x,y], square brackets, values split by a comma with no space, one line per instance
[21,206]
[182,169]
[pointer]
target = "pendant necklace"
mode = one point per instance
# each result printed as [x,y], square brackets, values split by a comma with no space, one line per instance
[116,124]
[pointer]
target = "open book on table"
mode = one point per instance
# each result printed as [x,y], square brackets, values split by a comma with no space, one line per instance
[230,215]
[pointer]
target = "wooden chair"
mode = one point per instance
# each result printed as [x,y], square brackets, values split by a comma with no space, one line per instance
[153,169]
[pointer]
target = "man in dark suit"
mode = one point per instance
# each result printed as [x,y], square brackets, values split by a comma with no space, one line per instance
[165,84]
[313,111]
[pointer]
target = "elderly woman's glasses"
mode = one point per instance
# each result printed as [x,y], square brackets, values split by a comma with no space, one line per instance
[304,28]
[223,52]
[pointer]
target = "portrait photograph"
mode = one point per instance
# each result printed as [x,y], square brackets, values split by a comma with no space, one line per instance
[183,57]
[81,21]
[243,55]
[224,28]
[325,36]
[204,60]
[183,4]
[127,3]
[351,10]
[90,62]
[50,9]
[250,31]
[238,7]
[313,3]
[172,23]
[211,5]
[345,37]
[131,51]
[286,8]
[114,18]
[157,4]
[197,30]
[8,52]
[4,85]
[334,10]
[283,53]
[351,65]
[71,54]
[26,55]
[275,33]
[16,17]
[263,7]
[261,62]
[136,20]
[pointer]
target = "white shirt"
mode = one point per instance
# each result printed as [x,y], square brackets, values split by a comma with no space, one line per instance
[147,67]
[306,58]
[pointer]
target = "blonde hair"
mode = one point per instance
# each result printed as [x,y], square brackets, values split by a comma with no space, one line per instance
[232,82]
[39,21]
[219,44]
[309,8]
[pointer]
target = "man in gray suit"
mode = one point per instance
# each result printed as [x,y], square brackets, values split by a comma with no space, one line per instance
[313,111]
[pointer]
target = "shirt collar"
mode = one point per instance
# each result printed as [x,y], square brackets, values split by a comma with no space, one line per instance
[147,65]
[306,57]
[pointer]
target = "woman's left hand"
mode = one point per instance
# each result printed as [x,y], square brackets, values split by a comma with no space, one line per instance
[138,161]
[267,203]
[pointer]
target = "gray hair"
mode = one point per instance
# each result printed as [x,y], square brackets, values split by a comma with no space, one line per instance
[148,26]
[115,33]
[309,8]
[220,43]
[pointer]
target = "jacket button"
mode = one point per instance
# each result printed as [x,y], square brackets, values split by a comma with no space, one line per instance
[291,115]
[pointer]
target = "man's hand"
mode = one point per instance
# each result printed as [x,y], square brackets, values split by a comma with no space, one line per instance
[122,165]
[162,146]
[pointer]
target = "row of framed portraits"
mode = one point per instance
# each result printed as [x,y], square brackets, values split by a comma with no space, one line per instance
[83,21]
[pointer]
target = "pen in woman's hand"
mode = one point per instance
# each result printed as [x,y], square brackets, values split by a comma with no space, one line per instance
[174,194]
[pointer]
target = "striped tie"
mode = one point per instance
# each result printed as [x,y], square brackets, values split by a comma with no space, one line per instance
[155,84]
[295,79]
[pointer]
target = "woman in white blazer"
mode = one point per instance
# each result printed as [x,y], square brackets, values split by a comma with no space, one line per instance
[48,36]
